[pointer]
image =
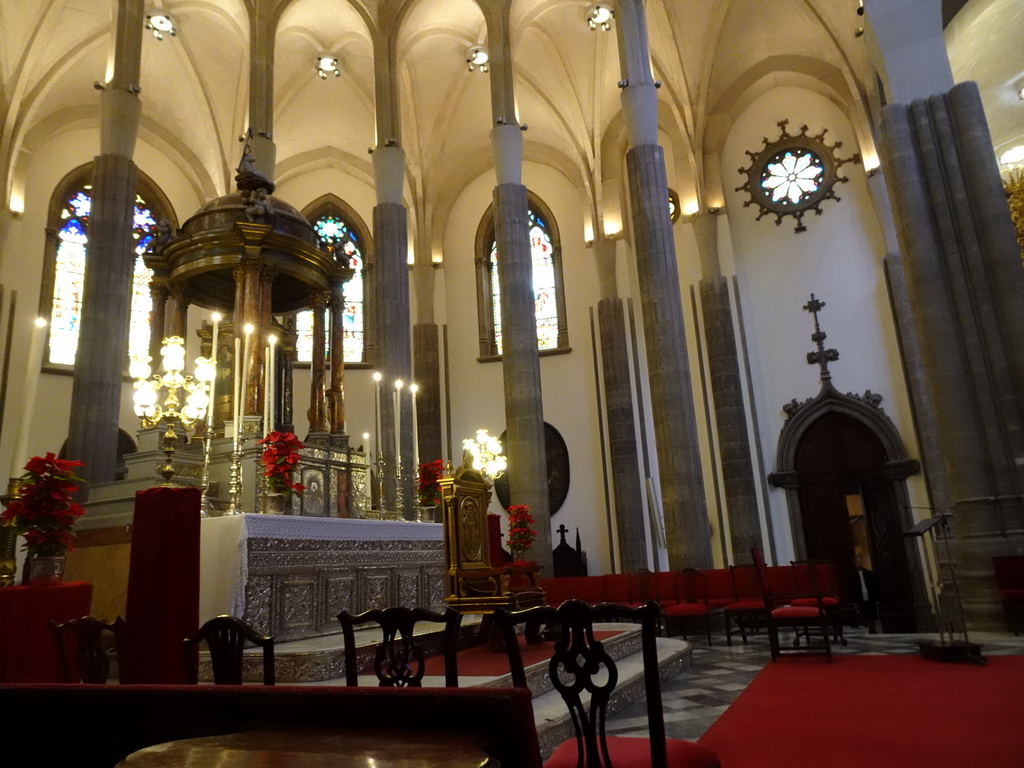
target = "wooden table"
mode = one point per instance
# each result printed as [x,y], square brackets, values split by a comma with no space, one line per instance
[318,748]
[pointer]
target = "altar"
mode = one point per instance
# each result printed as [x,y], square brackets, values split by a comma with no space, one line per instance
[289,576]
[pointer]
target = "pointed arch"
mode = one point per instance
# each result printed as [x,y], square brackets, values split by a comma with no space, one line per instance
[548,286]
[66,259]
[344,235]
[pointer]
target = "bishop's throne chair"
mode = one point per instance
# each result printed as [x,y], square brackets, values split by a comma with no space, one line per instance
[475,584]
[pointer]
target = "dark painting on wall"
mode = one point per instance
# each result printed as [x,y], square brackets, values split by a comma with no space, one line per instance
[558,471]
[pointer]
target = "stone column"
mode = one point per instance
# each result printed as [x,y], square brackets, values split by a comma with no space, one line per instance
[727,390]
[524,415]
[390,226]
[318,426]
[427,370]
[107,289]
[157,319]
[623,454]
[682,484]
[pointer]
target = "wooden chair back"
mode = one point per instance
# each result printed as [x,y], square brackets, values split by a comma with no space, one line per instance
[585,675]
[226,637]
[84,656]
[399,660]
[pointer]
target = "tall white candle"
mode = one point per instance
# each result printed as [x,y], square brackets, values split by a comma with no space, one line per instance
[398,420]
[271,381]
[266,391]
[35,362]
[245,377]
[376,416]
[236,406]
[413,390]
[216,371]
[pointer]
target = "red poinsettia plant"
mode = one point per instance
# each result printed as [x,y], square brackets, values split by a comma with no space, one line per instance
[43,510]
[520,529]
[280,455]
[428,488]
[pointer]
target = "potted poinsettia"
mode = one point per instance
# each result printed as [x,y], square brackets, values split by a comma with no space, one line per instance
[521,534]
[280,456]
[45,514]
[428,489]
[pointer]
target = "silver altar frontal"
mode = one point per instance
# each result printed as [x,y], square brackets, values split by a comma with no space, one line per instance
[289,576]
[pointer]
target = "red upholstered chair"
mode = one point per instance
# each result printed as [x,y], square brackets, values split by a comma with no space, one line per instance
[1010,583]
[780,612]
[585,675]
[84,654]
[226,637]
[747,608]
[692,589]
[399,661]
[819,577]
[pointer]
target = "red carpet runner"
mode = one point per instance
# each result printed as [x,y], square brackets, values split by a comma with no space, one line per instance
[877,711]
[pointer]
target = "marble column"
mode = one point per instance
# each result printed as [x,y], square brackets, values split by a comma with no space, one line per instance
[524,415]
[318,425]
[157,319]
[336,393]
[107,288]
[687,528]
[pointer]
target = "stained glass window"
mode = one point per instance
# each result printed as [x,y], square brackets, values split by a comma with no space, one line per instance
[792,176]
[339,240]
[545,286]
[69,277]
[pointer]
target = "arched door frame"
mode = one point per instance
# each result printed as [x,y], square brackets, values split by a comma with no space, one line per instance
[867,410]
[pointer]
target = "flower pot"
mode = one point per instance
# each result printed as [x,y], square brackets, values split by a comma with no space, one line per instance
[275,504]
[47,571]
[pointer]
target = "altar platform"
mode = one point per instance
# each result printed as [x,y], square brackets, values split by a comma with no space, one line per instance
[289,576]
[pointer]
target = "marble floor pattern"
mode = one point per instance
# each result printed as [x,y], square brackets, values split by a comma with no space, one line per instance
[719,674]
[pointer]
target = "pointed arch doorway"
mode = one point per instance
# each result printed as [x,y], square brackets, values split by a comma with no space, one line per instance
[844,468]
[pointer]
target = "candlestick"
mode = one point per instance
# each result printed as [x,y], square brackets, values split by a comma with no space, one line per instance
[245,377]
[237,390]
[414,389]
[376,415]
[216,368]
[35,362]
[369,489]
[398,420]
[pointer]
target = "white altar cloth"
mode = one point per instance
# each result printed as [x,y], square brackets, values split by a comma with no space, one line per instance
[224,551]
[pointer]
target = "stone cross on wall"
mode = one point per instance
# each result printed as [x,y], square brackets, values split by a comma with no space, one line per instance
[822,357]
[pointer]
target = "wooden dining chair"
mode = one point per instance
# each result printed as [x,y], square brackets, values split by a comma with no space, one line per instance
[585,675]
[399,659]
[797,610]
[692,603]
[83,649]
[226,636]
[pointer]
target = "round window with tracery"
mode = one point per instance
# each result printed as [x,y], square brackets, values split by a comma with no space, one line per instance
[792,176]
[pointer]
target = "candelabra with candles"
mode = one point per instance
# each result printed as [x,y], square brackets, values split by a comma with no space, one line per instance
[171,413]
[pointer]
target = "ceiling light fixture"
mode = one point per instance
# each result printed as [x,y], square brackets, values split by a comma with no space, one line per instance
[599,16]
[477,58]
[161,25]
[326,65]
[1013,156]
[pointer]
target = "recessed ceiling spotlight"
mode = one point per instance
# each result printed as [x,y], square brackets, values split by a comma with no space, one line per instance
[599,16]
[477,58]
[327,65]
[160,24]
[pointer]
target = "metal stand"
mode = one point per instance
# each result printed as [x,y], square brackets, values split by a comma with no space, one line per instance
[948,647]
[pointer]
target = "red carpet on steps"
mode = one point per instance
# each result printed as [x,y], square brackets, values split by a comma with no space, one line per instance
[877,712]
[481,661]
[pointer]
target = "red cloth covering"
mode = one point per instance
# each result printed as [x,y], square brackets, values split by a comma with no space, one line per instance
[28,650]
[163,584]
[494,541]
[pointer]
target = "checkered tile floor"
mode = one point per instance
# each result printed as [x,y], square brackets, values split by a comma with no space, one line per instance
[719,674]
